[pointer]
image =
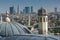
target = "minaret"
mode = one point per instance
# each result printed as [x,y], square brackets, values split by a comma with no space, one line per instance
[43,21]
[29,20]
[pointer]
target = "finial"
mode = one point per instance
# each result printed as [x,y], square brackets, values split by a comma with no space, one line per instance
[7,13]
[7,17]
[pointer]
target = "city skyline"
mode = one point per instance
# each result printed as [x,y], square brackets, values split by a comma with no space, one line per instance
[47,4]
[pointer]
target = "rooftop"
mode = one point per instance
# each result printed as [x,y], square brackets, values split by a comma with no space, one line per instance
[12,28]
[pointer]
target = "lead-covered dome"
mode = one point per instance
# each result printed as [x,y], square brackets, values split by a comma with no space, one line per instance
[12,28]
[41,12]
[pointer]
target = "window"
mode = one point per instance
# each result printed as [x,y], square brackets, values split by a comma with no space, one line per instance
[43,19]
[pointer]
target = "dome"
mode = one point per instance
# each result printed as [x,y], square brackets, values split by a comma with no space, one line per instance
[12,28]
[41,11]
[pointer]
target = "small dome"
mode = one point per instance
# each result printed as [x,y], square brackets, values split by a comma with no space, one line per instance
[41,11]
[12,28]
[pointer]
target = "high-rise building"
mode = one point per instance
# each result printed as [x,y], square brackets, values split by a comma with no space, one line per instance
[27,10]
[55,10]
[12,10]
[18,9]
[31,9]
[23,11]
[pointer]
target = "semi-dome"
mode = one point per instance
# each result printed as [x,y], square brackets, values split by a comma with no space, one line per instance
[12,28]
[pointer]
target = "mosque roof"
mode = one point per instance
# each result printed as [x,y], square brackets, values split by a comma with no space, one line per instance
[12,28]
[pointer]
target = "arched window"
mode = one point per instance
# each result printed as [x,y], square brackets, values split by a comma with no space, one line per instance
[43,19]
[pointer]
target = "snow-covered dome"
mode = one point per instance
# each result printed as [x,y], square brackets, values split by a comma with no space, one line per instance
[12,28]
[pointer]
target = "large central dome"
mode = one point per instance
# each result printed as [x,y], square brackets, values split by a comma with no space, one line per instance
[12,28]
